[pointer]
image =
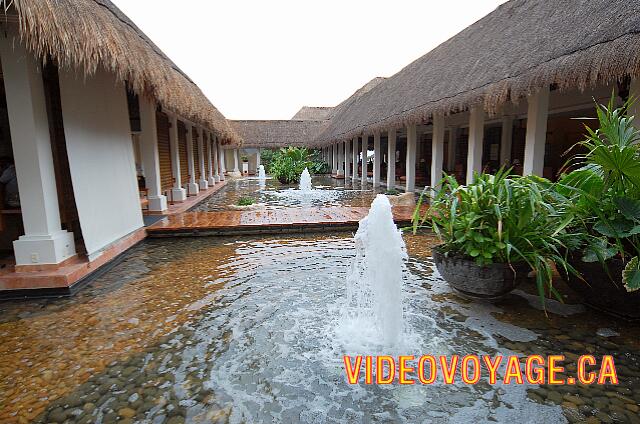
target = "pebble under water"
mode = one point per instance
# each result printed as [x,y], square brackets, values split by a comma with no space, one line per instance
[244,330]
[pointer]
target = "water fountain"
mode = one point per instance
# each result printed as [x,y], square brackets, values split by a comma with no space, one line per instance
[261,174]
[374,305]
[305,181]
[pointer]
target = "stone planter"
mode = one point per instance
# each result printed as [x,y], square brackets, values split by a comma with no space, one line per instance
[489,283]
[602,291]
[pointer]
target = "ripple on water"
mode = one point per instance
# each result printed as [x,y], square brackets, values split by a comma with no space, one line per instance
[208,330]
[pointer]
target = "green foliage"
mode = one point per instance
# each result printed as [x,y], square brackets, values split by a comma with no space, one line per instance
[266,156]
[245,201]
[503,219]
[317,165]
[606,190]
[392,192]
[287,164]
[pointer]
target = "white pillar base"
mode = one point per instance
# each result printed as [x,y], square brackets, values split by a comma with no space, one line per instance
[212,181]
[44,249]
[221,177]
[192,189]
[204,184]
[217,178]
[340,173]
[158,203]
[178,194]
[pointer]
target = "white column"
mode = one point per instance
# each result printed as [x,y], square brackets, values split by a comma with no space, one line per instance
[347,159]
[365,148]
[391,153]
[354,158]
[216,161]
[412,137]
[192,185]
[44,241]
[476,139]
[334,159]
[506,136]
[634,93]
[178,194]
[377,159]
[236,169]
[221,160]
[258,159]
[203,183]
[437,150]
[451,149]
[340,159]
[150,157]
[211,178]
[537,114]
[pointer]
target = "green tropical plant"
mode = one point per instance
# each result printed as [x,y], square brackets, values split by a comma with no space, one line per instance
[607,190]
[317,165]
[288,163]
[502,219]
[245,201]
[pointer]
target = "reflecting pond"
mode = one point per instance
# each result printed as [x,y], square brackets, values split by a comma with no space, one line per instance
[244,330]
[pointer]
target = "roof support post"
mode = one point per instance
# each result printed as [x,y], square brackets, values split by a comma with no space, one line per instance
[476,139]
[340,159]
[506,140]
[203,183]
[634,93]
[365,150]
[258,152]
[347,159]
[391,159]
[236,169]
[451,149]
[178,194]
[214,150]
[221,164]
[536,139]
[437,150]
[44,241]
[334,159]
[150,155]
[377,159]
[412,137]
[192,185]
[355,152]
[211,179]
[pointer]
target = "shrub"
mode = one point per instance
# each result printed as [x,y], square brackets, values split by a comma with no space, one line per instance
[606,190]
[287,164]
[245,201]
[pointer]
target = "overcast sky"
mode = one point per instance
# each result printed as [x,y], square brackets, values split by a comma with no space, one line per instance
[257,59]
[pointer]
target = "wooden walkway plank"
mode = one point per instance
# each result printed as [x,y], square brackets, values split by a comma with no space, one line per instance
[264,221]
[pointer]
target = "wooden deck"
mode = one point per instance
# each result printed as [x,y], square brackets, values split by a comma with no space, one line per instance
[267,221]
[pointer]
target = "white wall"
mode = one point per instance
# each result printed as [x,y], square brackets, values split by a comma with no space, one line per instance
[101,158]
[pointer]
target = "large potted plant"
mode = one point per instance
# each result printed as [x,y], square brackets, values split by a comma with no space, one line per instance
[606,195]
[497,232]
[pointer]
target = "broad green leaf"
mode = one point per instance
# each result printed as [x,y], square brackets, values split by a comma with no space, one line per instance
[628,207]
[631,275]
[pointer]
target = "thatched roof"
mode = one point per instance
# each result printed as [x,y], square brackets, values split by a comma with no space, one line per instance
[312,113]
[512,52]
[275,134]
[86,34]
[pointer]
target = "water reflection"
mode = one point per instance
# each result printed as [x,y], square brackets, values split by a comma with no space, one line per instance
[241,330]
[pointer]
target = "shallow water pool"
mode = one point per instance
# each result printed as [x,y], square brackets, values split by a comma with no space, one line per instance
[244,330]
[270,194]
